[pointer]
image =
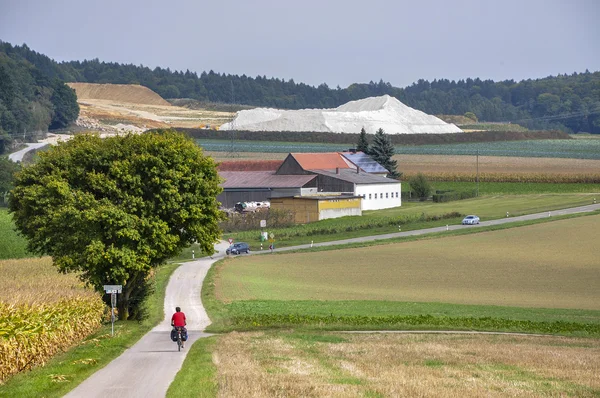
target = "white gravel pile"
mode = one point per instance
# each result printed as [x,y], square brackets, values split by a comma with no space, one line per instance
[371,113]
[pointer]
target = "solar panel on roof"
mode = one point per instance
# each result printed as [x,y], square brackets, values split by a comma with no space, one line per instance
[365,162]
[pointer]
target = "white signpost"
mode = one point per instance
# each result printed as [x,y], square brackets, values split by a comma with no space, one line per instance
[113,290]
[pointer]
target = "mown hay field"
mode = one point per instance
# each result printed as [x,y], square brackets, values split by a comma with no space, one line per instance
[42,312]
[550,265]
[267,364]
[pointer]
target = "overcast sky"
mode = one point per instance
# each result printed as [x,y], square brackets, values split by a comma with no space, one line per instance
[338,42]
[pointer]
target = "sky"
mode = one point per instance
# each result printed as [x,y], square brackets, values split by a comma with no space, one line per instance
[337,42]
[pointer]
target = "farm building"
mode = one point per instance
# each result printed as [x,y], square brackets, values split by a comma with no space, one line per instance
[310,174]
[314,208]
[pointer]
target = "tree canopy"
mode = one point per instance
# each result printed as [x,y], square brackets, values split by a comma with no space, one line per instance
[8,169]
[112,209]
[363,144]
[382,151]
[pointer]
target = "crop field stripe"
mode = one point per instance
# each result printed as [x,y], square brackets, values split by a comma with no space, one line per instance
[577,149]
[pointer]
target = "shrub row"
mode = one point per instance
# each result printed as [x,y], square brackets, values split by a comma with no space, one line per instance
[31,334]
[448,196]
[251,221]
[347,225]
[259,321]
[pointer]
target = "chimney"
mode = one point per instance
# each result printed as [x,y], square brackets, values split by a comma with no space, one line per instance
[337,170]
[357,170]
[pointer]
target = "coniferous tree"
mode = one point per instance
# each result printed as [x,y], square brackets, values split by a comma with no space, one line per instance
[382,151]
[362,145]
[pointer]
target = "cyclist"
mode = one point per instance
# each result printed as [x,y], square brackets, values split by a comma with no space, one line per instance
[178,321]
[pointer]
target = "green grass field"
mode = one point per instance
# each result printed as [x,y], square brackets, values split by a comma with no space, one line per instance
[511,188]
[12,245]
[534,274]
[581,148]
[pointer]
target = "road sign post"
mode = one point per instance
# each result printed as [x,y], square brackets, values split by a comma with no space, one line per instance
[113,290]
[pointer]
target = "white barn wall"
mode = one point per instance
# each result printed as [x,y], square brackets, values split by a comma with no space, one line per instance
[368,192]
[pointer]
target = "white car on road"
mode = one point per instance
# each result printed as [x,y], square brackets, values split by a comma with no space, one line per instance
[470,220]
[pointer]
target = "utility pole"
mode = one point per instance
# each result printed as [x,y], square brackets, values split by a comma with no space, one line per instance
[478,173]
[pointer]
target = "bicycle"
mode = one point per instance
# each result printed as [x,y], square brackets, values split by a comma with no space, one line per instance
[179,340]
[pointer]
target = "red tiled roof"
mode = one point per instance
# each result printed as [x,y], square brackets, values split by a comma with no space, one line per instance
[250,165]
[324,161]
[263,179]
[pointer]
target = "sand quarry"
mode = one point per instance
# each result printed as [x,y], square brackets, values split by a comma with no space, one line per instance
[114,108]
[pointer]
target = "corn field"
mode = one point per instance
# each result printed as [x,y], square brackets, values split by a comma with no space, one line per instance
[42,312]
[31,334]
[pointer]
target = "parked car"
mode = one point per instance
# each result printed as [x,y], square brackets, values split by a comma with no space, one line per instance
[470,220]
[238,248]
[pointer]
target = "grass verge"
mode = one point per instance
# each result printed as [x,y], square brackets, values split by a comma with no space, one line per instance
[65,371]
[197,377]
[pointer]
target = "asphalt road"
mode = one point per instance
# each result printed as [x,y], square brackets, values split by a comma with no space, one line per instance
[18,156]
[148,368]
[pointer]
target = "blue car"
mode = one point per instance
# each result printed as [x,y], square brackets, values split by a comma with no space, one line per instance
[238,248]
[470,220]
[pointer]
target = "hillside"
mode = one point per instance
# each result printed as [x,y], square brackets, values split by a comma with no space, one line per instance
[124,93]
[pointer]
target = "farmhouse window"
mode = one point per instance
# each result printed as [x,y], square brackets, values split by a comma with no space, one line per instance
[369,196]
[386,195]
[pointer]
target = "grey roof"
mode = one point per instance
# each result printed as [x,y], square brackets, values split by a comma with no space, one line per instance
[263,179]
[365,162]
[351,175]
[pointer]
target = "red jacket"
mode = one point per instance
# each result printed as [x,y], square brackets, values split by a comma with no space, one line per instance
[178,319]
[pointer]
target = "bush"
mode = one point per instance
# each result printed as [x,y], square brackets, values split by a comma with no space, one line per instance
[420,186]
[251,221]
[448,196]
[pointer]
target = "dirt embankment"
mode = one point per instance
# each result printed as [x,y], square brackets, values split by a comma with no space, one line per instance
[129,93]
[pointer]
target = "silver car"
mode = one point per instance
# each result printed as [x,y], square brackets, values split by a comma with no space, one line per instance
[470,220]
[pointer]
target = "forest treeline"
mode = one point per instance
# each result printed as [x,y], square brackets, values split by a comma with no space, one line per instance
[569,103]
[31,100]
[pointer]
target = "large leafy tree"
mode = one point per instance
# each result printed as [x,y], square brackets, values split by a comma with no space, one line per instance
[363,144]
[113,209]
[382,151]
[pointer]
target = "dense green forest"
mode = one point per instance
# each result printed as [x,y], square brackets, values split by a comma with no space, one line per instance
[567,102]
[31,101]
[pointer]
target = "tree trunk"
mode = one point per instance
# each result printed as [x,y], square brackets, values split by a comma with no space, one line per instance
[123,304]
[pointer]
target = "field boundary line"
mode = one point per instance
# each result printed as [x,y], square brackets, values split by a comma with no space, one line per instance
[448,332]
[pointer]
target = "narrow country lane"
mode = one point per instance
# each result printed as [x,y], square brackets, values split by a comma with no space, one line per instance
[148,368]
